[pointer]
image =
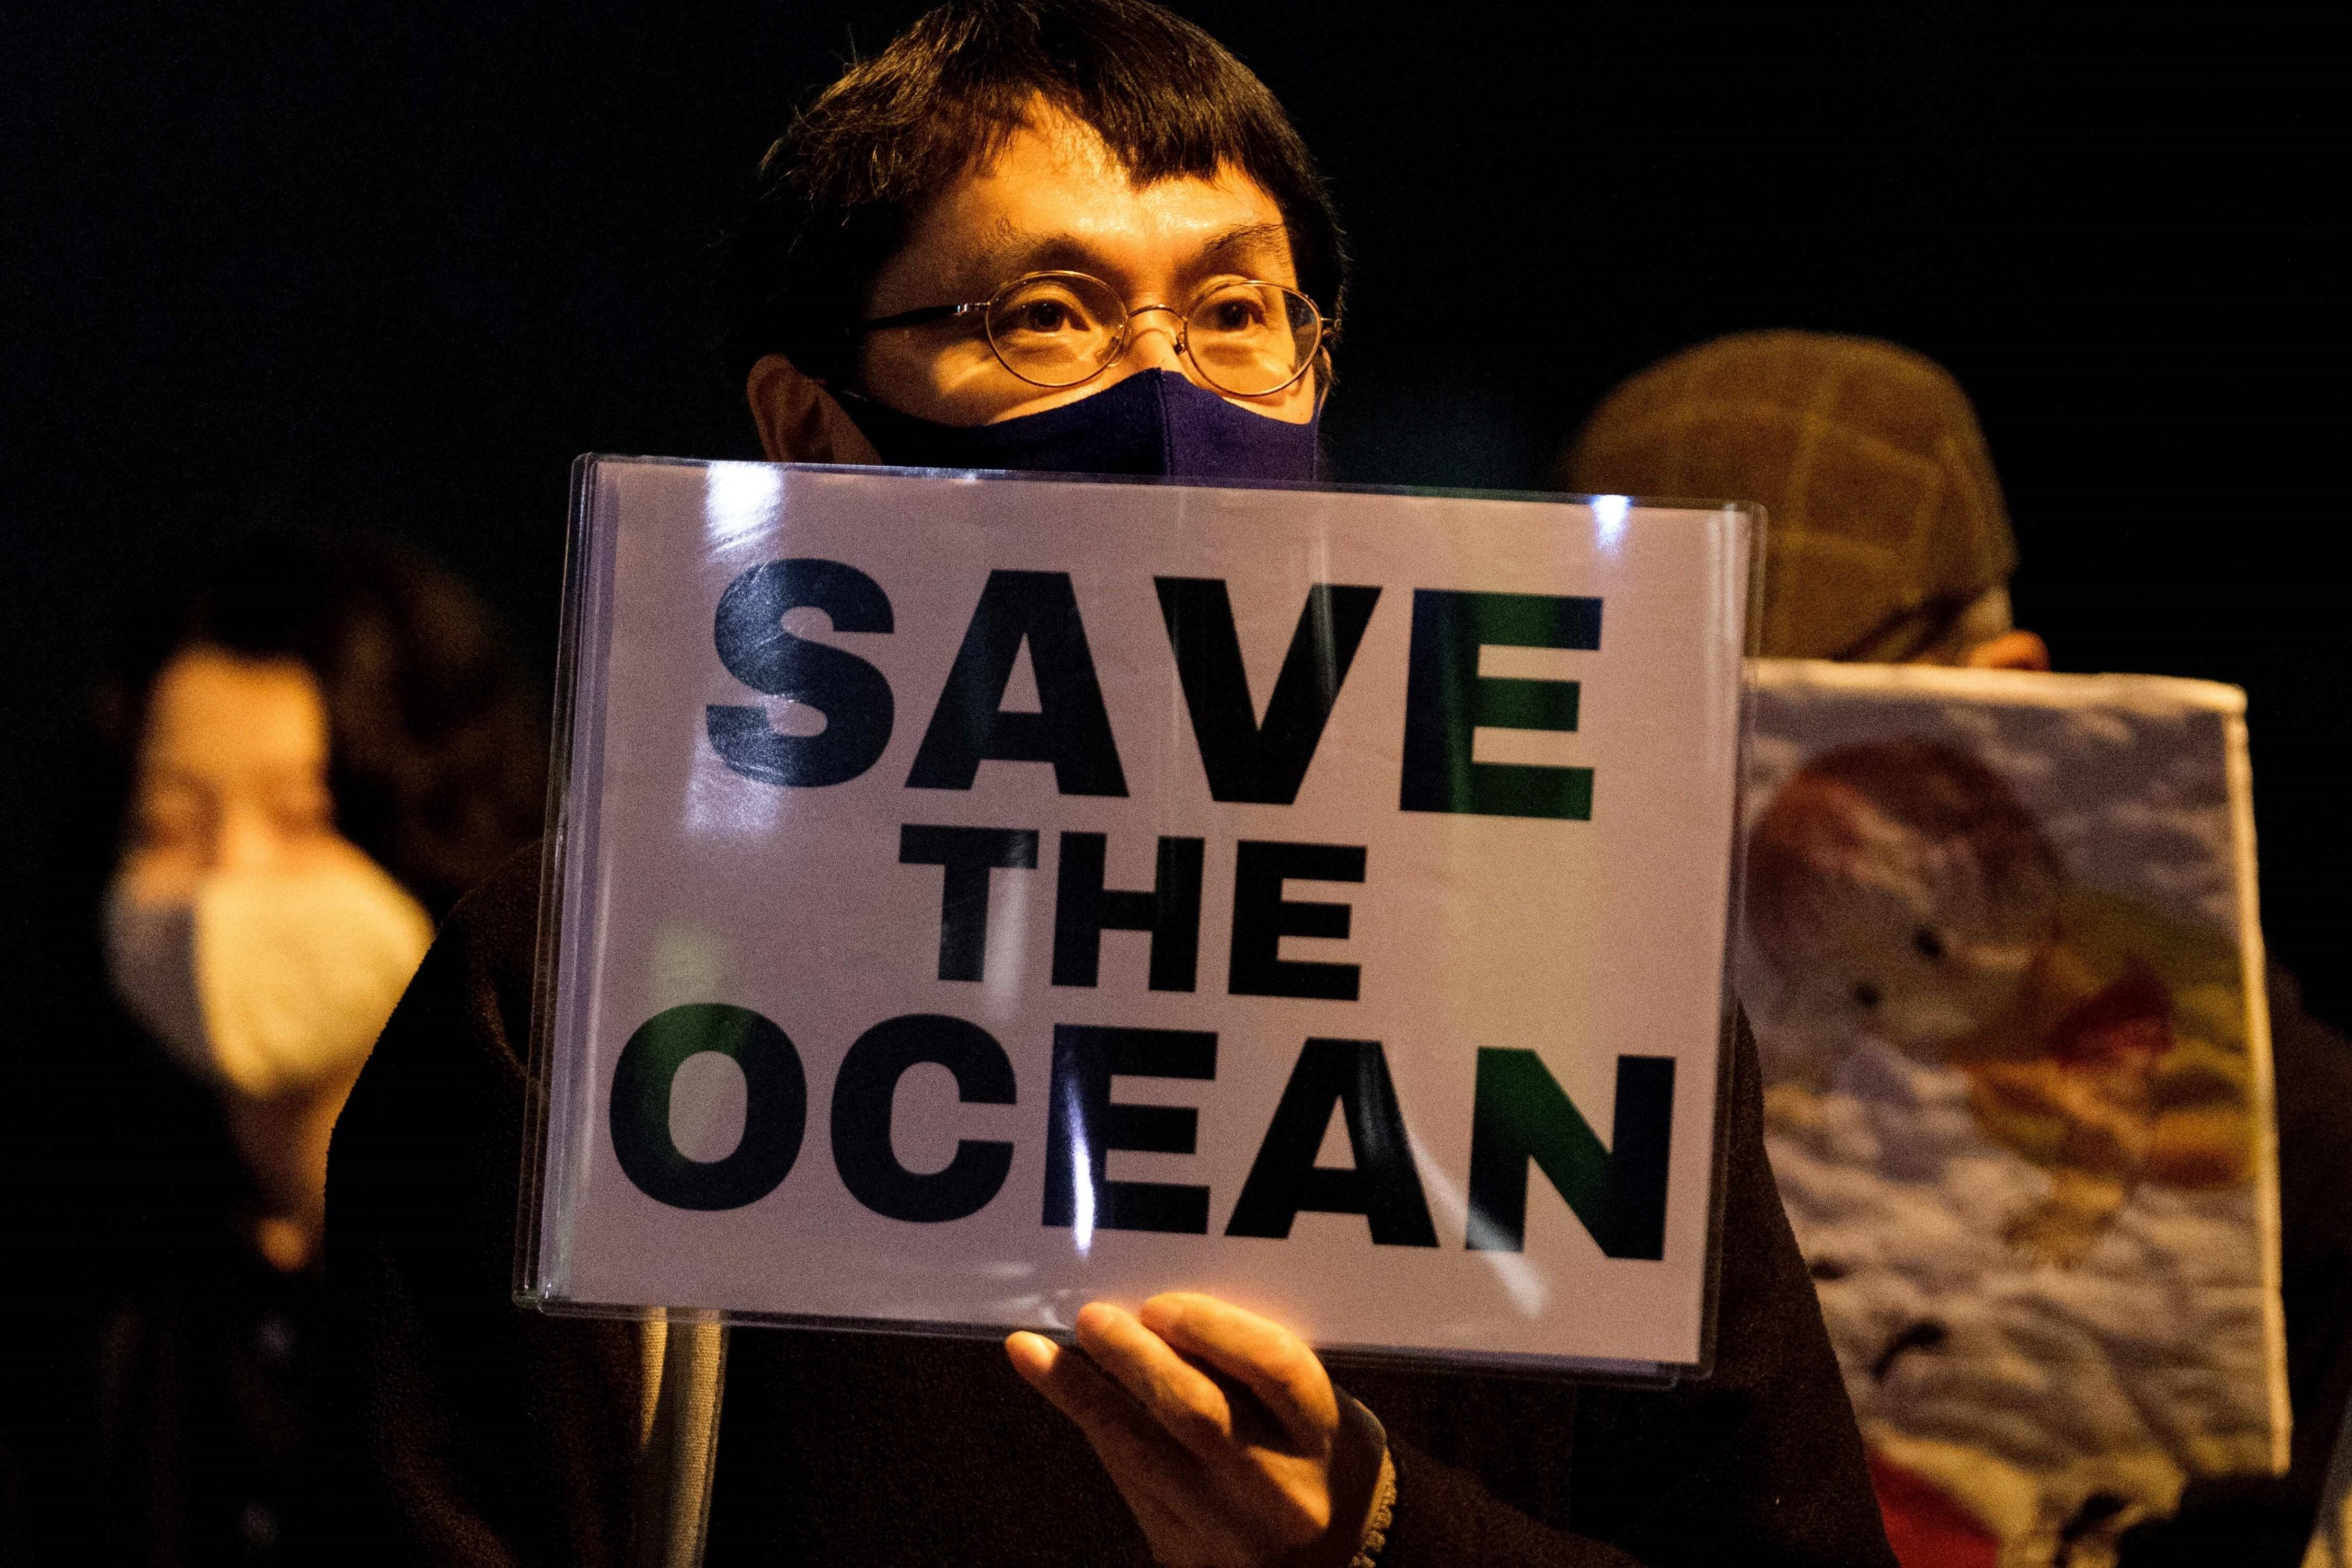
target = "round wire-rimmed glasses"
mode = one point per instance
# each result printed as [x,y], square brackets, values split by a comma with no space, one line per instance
[1247,337]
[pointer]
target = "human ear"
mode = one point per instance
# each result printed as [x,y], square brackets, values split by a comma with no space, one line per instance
[2011,650]
[799,420]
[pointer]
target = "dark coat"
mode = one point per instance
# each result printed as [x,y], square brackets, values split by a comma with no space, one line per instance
[481,1433]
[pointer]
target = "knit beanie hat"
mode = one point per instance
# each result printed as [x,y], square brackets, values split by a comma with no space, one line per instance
[1883,518]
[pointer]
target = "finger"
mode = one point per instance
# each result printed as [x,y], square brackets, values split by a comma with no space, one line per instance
[1100,1407]
[1179,1396]
[1032,1356]
[1273,1363]
[1159,1481]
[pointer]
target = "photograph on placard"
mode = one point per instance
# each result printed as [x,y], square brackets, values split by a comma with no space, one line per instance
[2001,955]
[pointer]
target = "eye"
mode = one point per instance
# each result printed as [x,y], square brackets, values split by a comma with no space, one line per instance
[1235,315]
[300,816]
[1929,945]
[1866,994]
[1042,316]
[1234,310]
[170,816]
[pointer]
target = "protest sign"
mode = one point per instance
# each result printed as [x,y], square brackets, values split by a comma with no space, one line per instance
[2003,960]
[973,896]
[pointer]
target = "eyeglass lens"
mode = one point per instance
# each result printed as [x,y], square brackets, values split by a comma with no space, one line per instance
[1059,328]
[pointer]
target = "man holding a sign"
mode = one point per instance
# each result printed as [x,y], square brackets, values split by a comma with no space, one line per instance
[1076,235]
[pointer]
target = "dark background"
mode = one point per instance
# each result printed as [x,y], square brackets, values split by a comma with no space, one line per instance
[393,267]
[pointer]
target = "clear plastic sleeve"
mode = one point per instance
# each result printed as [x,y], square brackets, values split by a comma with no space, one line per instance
[967,896]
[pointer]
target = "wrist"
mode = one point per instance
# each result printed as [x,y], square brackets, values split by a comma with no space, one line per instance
[1362,1491]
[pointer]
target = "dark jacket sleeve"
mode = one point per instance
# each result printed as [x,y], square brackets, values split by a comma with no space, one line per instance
[1758,1463]
[469,1431]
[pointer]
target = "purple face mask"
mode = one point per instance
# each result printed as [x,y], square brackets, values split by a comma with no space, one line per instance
[1153,422]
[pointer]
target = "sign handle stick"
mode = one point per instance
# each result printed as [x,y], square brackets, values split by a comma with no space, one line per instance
[686,1373]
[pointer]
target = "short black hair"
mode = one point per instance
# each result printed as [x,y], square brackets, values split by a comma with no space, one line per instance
[837,194]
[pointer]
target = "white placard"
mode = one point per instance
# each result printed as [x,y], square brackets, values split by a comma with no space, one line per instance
[982,895]
[2004,961]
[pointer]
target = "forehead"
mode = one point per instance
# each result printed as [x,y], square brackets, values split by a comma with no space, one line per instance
[215,715]
[1056,196]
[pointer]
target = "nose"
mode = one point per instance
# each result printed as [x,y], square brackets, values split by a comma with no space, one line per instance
[244,840]
[1151,339]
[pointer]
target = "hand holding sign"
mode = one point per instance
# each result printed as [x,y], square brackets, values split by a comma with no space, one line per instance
[1221,1429]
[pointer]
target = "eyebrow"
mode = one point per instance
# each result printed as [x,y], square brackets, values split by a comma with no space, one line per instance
[1008,252]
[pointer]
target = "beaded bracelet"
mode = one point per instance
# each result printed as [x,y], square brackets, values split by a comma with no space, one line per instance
[1376,1528]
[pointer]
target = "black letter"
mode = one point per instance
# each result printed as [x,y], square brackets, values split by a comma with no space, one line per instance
[969,854]
[1084,910]
[756,649]
[1243,760]
[1446,700]
[1083,1125]
[1070,729]
[1262,918]
[863,1093]
[1619,1193]
[775,1106]
[1383,1187]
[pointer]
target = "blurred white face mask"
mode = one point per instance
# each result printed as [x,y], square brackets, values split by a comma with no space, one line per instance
[268,981]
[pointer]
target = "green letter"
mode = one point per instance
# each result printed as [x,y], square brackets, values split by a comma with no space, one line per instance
[1619,1193]
[775,1106]
[1447,702]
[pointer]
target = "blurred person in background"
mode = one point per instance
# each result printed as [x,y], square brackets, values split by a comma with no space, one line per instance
[306,752]
[1887,540]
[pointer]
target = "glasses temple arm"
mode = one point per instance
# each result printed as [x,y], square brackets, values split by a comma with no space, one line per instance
[917,317]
